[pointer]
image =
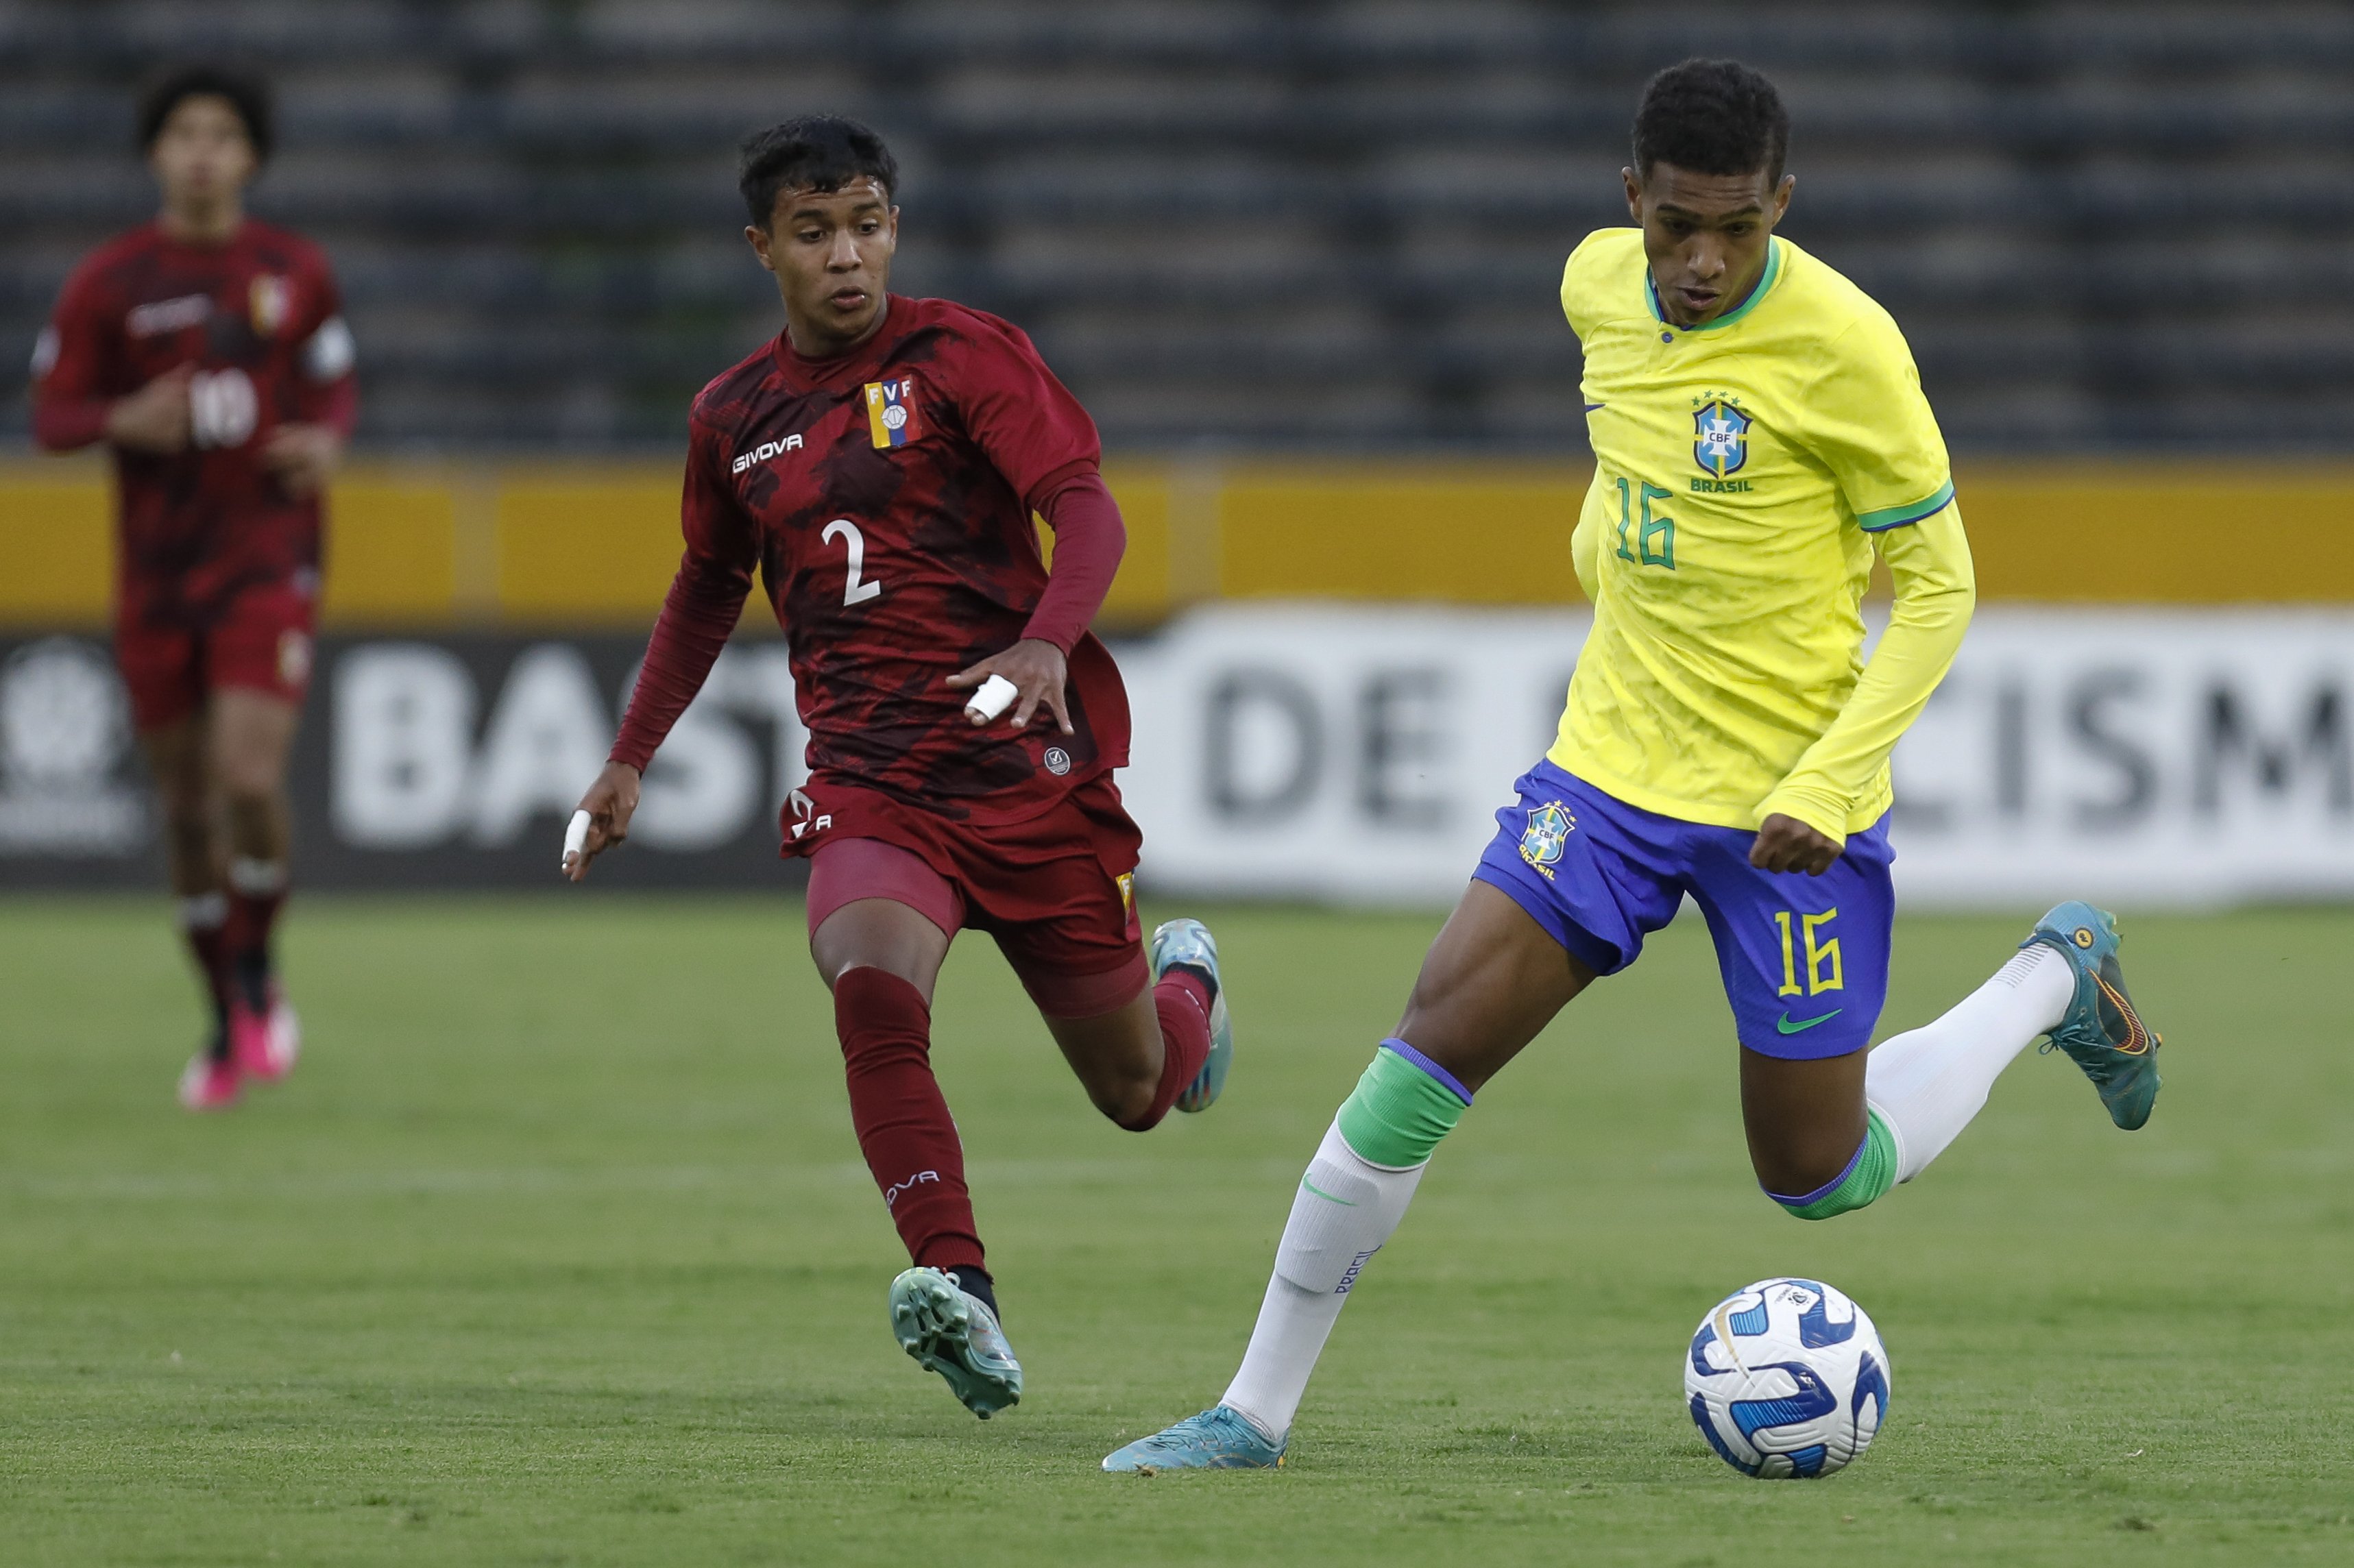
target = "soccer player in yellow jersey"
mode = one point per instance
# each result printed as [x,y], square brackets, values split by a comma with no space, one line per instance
[1759,435]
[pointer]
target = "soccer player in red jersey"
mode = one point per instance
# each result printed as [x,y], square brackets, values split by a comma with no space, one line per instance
[879,464]
[209,353]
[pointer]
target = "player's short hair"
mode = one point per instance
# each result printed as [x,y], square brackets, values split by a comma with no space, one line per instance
[1712,117]
[822,152]
[249,95]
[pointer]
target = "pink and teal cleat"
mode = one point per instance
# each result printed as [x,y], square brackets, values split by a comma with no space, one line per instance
[264,1042]
[210,1082]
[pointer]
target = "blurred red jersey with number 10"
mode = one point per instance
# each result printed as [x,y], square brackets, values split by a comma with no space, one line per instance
[218,566]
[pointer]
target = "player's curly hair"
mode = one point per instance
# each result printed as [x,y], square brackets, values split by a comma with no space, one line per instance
[822,152]
[1712,117]
[249,95]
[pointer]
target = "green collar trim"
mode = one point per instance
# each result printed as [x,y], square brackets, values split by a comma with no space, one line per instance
[1765,282]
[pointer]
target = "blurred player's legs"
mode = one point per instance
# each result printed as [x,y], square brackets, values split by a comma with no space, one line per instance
[1138,1035]
[176,753]
[217,707]
[252,734]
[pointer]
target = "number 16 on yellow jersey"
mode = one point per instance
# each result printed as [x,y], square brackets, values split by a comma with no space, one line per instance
[1654,543]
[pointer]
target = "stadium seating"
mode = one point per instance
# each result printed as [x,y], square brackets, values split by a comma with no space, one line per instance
[1262,226]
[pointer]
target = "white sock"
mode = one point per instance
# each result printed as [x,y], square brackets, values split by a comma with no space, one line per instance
[1927,1085]
[1345,1209]
[204,911]
[256,878]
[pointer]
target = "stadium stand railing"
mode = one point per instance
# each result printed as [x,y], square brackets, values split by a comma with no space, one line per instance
[1262,226]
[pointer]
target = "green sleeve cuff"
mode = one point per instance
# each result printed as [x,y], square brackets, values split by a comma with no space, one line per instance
[1898,516]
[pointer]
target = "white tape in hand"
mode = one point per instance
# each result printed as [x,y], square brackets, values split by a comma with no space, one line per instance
[996,694]
[576,838]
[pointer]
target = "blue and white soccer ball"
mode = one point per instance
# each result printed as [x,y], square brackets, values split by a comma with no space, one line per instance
[1787,1379]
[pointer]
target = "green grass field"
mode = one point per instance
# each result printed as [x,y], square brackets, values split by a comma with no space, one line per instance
[557,1250]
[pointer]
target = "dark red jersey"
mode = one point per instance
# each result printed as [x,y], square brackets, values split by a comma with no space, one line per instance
[259,318]
[885,497]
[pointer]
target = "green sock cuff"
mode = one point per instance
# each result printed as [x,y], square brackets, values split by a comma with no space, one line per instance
[1870,1173]
[1398,1112]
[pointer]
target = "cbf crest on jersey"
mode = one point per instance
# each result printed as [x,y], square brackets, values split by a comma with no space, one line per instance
[1547,835]
[1720,443]
[891,411]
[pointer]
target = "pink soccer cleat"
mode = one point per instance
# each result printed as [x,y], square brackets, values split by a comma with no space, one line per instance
[210,1082]
[264,1044]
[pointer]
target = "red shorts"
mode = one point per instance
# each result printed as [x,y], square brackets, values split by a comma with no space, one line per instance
[1056,891]
[258,639]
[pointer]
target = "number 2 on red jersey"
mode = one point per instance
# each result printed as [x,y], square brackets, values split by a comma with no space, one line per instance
[854,591]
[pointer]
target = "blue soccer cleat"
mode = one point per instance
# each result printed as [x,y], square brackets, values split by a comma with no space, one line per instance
[956,1335]
[1190,944]
[1219,1439]
[2101,1030]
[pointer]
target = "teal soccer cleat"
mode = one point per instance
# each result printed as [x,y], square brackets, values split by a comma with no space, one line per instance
[2101,1032]
[1218,1439]
[1189,942]
[956,1336]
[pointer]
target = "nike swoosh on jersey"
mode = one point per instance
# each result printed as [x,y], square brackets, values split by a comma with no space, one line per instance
[1783,1026]
[1323,1195]
[1591,406]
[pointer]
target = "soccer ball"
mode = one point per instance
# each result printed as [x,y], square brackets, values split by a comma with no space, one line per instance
[1787,1379]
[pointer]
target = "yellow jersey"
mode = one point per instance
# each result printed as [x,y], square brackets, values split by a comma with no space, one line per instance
[1745,472]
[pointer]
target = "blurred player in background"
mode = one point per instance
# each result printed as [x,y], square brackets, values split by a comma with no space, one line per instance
[879,464]
[208,351]
[1760,435]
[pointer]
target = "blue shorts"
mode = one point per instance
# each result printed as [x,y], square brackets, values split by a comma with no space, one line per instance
[1805,959]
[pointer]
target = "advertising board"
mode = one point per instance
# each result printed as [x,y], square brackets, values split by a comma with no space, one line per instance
[1352,754]
[2146,758]
[445,761]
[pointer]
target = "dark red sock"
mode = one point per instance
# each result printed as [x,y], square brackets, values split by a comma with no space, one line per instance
[257,891]
[1183,1002]
[203,925]
[903,1123]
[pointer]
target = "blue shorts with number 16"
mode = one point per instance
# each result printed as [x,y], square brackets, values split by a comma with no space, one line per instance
[1805,959]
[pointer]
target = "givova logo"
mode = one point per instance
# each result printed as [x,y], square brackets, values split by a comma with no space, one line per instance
[764,451]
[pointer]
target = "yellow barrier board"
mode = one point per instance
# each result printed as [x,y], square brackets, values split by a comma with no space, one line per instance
[1142,592]
[1485,533]
[390,553]
[2157,535]
[599,550]
[530,543]
[56,548]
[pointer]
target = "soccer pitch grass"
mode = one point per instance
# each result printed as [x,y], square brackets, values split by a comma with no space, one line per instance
[557,1250]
